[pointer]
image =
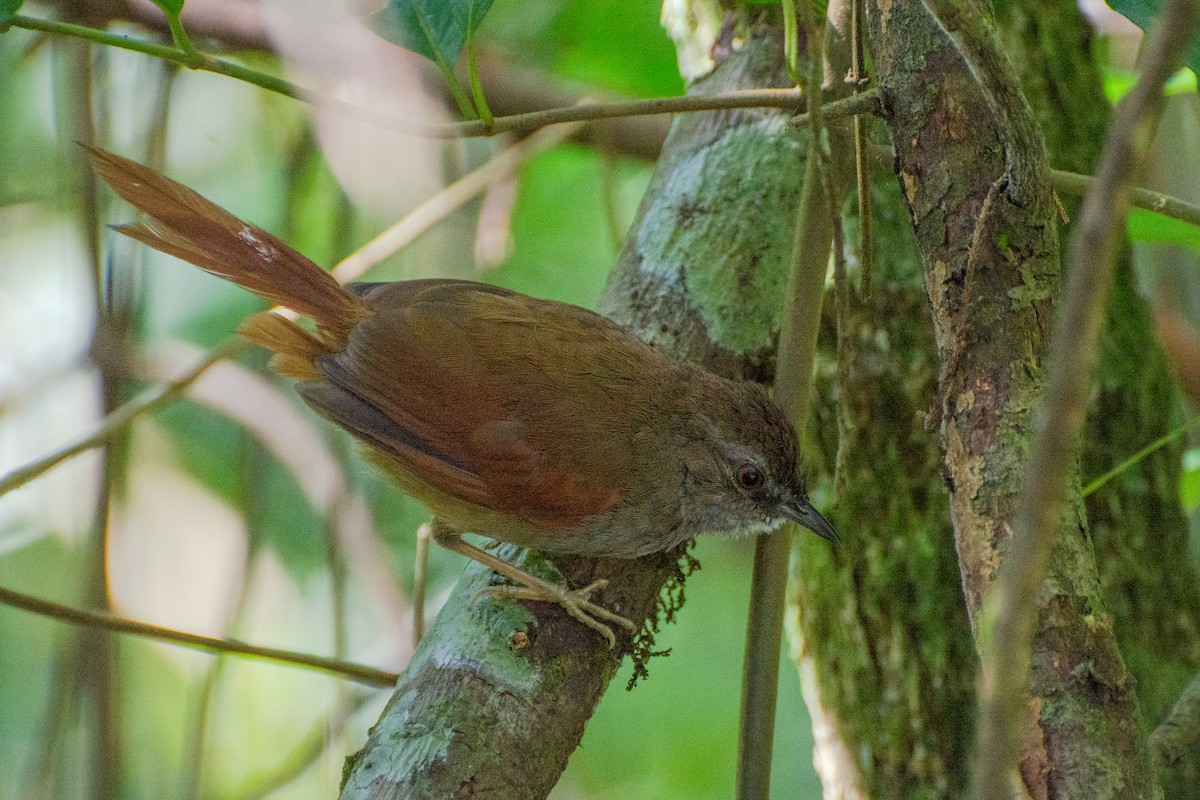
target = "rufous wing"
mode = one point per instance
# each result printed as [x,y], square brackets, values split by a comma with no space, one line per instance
[443,379]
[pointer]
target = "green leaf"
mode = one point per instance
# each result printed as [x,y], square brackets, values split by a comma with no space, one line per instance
[1146,226]
[1189,482]
[8,10]
[1118,83]
[1143,13]
[436,29]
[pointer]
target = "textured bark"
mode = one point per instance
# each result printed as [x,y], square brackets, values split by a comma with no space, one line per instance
[1149,582]
[498,694]
[988,239]
[882,617]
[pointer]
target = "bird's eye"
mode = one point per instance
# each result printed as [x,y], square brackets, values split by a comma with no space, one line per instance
[749,477]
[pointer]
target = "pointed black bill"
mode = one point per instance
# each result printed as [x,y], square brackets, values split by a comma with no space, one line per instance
[802,512]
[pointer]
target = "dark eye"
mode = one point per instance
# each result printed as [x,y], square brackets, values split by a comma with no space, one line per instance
[748,477]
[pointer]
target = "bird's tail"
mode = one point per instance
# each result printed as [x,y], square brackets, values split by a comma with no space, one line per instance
[182,223]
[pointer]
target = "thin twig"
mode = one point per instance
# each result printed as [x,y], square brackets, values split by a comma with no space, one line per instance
[95,619]
[863,103]
[862,178]
[198,61]
[420,582]
[437,207]
[117,421]
[797,343]
[1165,204]
[1134,459]
[1005,654]
[1074,183]
[787,99]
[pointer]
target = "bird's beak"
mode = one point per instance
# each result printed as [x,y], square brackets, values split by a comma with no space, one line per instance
[802,512]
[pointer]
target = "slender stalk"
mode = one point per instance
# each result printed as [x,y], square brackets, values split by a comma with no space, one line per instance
[793,378]
[1165,204]
[197,60]
[420,583]
[861,167]
[437,207]
[787,99]
[1137,457]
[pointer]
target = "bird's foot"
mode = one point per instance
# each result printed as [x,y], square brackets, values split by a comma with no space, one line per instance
[576,602]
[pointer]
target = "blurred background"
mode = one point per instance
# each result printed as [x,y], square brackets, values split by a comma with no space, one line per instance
[234,511]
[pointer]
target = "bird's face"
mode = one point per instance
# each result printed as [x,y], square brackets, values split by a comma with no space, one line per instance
[741,471]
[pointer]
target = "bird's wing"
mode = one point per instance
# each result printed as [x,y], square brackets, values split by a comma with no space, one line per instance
[464,386]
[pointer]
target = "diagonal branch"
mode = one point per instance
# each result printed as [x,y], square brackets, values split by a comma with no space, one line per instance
[117,421]
[102,621]
[1179,733]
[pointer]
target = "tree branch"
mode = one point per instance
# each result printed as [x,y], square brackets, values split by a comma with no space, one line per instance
[116,422]
[1005,659]
[1177,735]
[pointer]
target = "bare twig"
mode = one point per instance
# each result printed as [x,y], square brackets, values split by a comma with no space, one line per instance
[1005,656]
[1165,204]
[95,619]
[862,103]
[436,208]
[862,182]
[787,99]
[116,422]
[793,379]
[1140,455]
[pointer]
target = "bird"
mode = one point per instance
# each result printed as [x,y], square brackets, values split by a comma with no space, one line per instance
[528,421]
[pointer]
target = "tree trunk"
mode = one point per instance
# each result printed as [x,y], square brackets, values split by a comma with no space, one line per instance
[1150,584]
[986,230]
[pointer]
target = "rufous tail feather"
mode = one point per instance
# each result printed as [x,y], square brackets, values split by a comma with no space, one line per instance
[184,224]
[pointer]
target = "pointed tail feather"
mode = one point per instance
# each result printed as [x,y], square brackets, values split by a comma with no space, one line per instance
[187,226]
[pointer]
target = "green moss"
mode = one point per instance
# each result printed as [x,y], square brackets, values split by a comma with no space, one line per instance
[1036,286]
[724,199]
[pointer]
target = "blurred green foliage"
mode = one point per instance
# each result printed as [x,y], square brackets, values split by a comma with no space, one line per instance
[1189,483]
[1146,226]
[1143,13]
[674,735]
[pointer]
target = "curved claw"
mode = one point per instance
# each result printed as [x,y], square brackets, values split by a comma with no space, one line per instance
[575,602]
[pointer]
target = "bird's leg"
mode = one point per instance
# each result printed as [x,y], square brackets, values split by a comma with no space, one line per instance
[420,567]
[574,602]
